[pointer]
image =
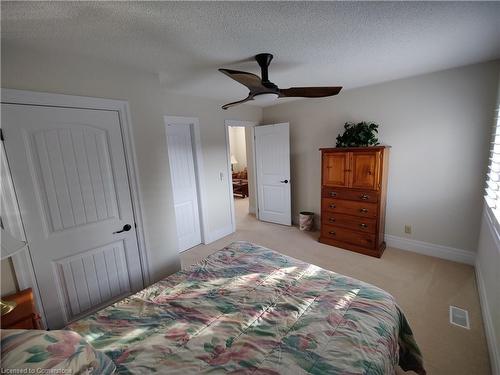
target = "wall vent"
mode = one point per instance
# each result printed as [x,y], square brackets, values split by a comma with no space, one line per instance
[459,317]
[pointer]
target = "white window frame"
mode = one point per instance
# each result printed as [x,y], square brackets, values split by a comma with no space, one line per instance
[493,176]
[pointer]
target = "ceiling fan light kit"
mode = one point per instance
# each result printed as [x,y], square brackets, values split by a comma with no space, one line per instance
[265,98]
[262,90]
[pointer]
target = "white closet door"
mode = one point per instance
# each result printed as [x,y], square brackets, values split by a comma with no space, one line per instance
[272,155]
[182,172]
[69,171]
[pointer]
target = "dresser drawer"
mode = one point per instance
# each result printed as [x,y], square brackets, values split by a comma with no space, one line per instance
[362,209]
[350,222]
[353,195]
[346,235]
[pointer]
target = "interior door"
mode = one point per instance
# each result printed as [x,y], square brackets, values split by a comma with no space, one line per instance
[336,169]
[182,172]
[70,175]
[272,156]
[364,173]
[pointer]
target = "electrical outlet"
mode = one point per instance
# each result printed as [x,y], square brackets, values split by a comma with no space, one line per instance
[408,229]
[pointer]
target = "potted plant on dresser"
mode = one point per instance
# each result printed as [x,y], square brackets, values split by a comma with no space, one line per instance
[353,190]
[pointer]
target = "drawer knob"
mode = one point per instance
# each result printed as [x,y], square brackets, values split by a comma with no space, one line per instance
[333,194]
[332,205]
[364,197]
[331,220]
[332,233]
[363,225]
[368,240]
[364,210]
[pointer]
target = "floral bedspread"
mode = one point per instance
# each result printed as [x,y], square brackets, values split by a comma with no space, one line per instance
[249,310]
[50,352]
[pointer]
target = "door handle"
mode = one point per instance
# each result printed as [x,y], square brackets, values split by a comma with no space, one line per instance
[125,228]
[284,182]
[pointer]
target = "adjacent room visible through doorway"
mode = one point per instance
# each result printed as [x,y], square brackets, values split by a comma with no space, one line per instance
[240,147]
[239,169]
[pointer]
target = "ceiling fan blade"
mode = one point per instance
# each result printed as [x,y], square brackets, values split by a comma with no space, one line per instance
[249,80]
[310,92]
[228,105]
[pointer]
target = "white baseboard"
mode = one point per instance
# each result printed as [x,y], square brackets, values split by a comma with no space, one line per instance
[488,323]
[218,234]
[433,250]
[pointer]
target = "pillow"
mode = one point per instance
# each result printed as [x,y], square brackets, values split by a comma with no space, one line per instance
[64,352]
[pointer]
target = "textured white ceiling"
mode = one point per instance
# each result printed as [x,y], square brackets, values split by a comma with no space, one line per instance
[350,44]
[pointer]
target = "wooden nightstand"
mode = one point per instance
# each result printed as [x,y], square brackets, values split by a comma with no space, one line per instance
[24,315]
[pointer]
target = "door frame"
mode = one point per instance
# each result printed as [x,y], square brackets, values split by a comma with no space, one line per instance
[22,262]
[244,124]
[199,169]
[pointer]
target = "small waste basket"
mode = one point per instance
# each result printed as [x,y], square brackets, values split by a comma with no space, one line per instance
[306,220]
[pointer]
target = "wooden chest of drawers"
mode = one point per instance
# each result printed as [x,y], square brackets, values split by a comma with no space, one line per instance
[353,196]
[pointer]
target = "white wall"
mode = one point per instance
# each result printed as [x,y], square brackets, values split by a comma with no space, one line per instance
[238,147]
[75,75]
[438,126]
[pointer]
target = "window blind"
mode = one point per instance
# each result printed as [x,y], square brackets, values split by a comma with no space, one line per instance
[493,178]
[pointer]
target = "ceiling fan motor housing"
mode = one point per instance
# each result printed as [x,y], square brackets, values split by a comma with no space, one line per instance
[264,59]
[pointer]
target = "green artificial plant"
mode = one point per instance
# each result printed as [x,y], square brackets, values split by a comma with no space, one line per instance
[361,134]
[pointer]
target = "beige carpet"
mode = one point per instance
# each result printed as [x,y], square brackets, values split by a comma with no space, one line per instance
[424,287]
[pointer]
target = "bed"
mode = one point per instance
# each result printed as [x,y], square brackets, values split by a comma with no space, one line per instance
[250,310]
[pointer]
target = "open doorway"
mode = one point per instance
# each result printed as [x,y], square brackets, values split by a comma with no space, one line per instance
[239,170]
[241,161]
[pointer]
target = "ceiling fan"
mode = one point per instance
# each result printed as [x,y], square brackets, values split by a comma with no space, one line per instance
[260,87]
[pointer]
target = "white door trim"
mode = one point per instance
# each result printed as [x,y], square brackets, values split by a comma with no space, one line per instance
[23,268]
[199,168]
[227,124]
